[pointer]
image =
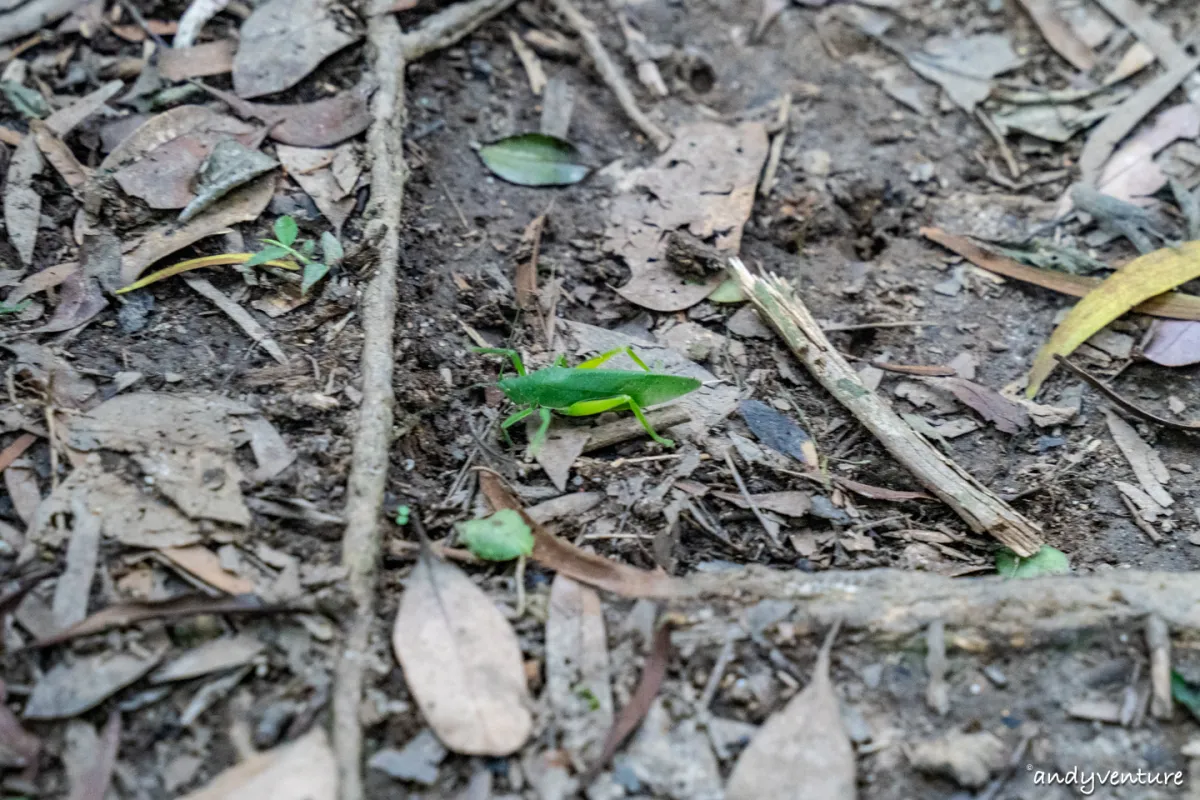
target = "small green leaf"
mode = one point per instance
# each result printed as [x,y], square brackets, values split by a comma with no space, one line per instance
[14,309]
[534,159]
[286,229]
[313,272]
[1185,694]
[268,253]
[402,514]
[729,291]
[309,248]
[1047,561]
[28,102]
[501,537]
[331,248]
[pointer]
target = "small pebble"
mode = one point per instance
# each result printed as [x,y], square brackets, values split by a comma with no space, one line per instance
[994,675]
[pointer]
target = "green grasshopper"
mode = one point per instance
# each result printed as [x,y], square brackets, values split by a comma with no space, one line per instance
[585,390]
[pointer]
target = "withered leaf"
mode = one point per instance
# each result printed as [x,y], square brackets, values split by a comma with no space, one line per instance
[577,670]
[304,769]
[81,684]
[1006,415]
[285,40]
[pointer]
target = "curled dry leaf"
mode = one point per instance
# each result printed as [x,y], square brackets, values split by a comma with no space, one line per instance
[805,745]
[229,165]
[313,169]
[1141,279]
[305,769]
[321,123]
[561,556]
[704,182]
[461,661]
[285,40]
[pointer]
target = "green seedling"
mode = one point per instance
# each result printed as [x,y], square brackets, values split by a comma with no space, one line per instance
[585,390]
[286,232]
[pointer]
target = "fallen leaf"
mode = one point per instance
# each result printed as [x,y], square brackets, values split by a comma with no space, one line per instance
[789,503]
[21,482]
[1172,305]
[64,120]
[557,454]
[1006,415]
[879,492]
[270,450]
[525,278]
[1122,402]
[74,585]
[52,374]
[578,683]
[41,280]
[321,123]
[80,684]
[95,780]
[19,749]
[418,761]
[967,758]
[1147,466]
[212,656]
[22,203]
[1141,279]
[1059,35]
[243,205]
[202,563]
[778,432]
[1172,343]
[305,769]
[534,159]
[502,536]
[1047,561]
[805,745]
[55,151]
[123,615]
[1131,174]
[705,182]
[211,58]
[312,169]
[243,318]
[462,662]
[964,66]
[284,40]
[229,165]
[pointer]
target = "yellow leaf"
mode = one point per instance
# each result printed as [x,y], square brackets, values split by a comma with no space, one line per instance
[1139,280]
[198,263]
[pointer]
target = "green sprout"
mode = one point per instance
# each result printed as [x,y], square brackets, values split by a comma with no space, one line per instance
[402,515]
[286,233]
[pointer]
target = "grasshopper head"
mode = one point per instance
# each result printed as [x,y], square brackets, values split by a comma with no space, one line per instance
[517,389]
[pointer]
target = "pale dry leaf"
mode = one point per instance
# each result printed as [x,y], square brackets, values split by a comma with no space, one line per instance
[571,505]
[1059,35]
[1006,415]
[578,682]
[704,182]
[788,503]
[80,684]
[346,167]
[204,564]
[304,769]
[563,445]
[22,203]
[1147,466]
[20,480]
[74,585]
[285,40]
[243,318]
[19,748]
[270,450]
[462,662]
[200,61]
[53,374]
[1172,343]
[55,151]
[312,169]
[64,120]
[212,656]
[1131,173]
[804,745]
[964,66]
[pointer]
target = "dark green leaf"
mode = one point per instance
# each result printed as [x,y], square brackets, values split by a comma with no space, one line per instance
[268,253]
[286,229]
[331,248]
[534,159]
[1047,561]
[313,272]
[28,102]
[1185,694]
[501,537]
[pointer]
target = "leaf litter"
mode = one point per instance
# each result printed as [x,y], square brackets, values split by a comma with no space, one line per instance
[578,673]
[284,40]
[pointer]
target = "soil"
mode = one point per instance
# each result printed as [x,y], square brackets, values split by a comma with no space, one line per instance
[849,242]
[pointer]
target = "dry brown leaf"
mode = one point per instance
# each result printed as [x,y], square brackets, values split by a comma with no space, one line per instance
[22,203]
[20,480]
[578,683]
[1173,305]
[790,504]
[212,656]
[305,769]
[1147,466]
[202,563]
[284,40]
[81,684]
[125,614]
[42,280]
[321,123]
[1006,415]
[64,120]
[1131,174]
[312,169]
[94,781]
[563,445]
[804,745]
[1059,35]
[59,155]
[52,374]
[879,492]
[525,278]
[243,205]
[74,585]
[704,182]
[561,556]
[270,450]
[461,661]
[200,61]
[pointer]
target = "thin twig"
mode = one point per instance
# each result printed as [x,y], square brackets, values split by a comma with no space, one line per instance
[737,477]
[610,73]
[1005,151]
[718,670]
[448,26]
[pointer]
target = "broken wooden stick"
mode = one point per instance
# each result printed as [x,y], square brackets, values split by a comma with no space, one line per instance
[448,26]
[982,510]
[892,604]
[610,73]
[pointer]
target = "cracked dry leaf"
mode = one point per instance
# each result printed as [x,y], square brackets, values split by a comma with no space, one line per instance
[578,682]
[462,661]
[284,40]
[704,182]
[805,745]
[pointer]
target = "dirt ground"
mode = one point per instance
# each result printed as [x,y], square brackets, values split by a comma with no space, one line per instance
[860,175]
